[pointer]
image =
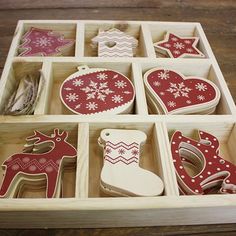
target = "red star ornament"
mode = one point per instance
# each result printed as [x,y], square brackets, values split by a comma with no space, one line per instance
[179,47]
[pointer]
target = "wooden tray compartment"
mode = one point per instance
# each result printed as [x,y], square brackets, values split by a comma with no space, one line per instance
[133,29]
[61,70]
[69,30]
[224,131]
[151,157]
[12,140]
[201,68]
[17,70]
[159,29]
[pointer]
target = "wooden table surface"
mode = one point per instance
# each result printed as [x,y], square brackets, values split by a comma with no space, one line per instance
[218,19]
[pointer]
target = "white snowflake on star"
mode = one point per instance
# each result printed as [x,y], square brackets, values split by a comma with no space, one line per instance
[179,45]
[78,82]
[189,50]
[171,104]
[200,97]
[43,42]
[163,75]
[201,87]
[117,99]
[167,45]
[120,84]
[187,41]
[102,76]
[72,97]
[177,52]
[174,39]
[91,106]
[179,90]
[157,83]
[98,90]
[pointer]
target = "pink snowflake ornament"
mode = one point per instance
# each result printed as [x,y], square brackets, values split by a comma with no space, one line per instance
[41,42]
[169,92]
[178,47]
[97,91]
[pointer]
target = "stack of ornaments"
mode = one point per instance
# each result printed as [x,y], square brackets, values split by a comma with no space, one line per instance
[121,174]
[42,42]
[40,165]
[170,92]
[97,91]
[199,167]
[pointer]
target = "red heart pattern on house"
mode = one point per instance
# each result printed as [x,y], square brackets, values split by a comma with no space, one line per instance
[177,94]
[97,91]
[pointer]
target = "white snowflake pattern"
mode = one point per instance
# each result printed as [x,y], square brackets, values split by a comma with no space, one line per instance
[78,106]
[97,91]
[91,106]
[157,83]
[177,52]
[188,102]
[171,104]
[72,97]
[68,89]
[179,90]
[43,42]
[167,45]
[163,75]
[174,39]
[201,87]
[162,93]
[187,41]
[179,45]
[200,97]
[117,99]
[78,82]
[189,50]
[120,84]
[102,76]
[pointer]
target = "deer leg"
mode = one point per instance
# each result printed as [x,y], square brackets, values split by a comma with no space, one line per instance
[52,180]
[7,180]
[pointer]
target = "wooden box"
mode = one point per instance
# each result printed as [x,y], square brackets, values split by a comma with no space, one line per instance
[82,203]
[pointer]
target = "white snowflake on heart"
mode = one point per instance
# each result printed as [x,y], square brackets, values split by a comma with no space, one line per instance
[43,42]
[97,90]
[157,83]
[120,84]
[91,106]
[117,99]
[200,97]
[179,45]
[72,97]
[78,82]
[171,104]
[102,76]
[163,75]
[201,87]
[179,90]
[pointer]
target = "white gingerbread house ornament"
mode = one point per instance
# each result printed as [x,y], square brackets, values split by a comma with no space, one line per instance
[115,43]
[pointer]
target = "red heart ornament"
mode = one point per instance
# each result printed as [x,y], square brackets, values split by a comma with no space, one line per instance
[93,91]
[177,94]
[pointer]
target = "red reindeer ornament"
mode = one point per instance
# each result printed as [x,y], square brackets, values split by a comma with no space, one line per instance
[38,164]
[204,154]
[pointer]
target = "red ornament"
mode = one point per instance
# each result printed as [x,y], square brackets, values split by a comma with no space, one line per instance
[48,163]
[96,91]
[203,155]
[177,94]
[179,47]
[40,42]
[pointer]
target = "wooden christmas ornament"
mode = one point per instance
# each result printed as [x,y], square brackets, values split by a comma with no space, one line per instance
[25,165]
[178,47]
[121,174]
[97,91]
[213,172]
[41,42]
[170,92]
[114,43]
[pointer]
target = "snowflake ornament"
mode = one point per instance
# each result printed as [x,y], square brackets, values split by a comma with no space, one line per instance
[179,47]
[41,42]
